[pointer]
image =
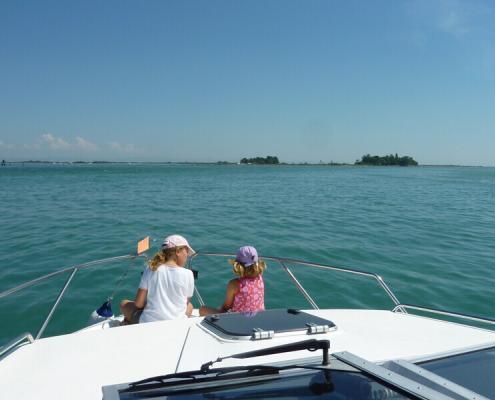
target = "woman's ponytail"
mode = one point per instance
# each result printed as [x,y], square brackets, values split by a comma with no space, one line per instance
[161,258]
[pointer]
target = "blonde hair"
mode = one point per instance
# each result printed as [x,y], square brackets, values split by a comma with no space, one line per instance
[251,271]
[162,257]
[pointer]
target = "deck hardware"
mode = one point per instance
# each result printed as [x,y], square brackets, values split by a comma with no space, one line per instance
[314,329]
[16,342]
[260,334]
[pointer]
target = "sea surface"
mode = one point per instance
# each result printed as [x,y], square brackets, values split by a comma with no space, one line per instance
[428,231]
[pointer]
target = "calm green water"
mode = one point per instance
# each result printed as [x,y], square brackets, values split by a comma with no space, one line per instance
[429,231]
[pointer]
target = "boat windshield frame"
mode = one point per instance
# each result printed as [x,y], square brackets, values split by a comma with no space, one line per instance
[245,379]
[402,377]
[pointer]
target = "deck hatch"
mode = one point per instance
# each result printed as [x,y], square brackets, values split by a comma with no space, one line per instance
[275,322]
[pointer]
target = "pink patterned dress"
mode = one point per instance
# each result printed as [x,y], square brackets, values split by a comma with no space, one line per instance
[251,296]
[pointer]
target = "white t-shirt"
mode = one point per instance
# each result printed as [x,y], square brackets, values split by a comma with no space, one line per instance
[168,289]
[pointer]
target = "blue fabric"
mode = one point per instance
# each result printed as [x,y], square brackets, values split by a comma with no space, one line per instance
[105,309]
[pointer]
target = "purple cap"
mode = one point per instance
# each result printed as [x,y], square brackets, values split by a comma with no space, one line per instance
[247,255]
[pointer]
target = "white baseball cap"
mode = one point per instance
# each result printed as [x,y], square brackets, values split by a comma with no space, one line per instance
[176,241]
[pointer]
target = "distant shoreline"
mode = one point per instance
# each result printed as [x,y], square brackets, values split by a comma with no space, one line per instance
[308,164]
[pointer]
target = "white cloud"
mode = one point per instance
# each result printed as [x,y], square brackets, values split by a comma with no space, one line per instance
[34,146]
[6,145]
[468,25]
[124,148]
[55,143]
[59,144]
[453,17]
[85,144]
[52,142]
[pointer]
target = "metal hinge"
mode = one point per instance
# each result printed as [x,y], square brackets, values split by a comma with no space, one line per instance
[260,334]
[314,329]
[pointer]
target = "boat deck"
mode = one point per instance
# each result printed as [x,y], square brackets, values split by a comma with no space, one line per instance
[84,361]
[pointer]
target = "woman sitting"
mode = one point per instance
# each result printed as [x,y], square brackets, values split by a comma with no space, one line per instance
[165,287]
[246,293]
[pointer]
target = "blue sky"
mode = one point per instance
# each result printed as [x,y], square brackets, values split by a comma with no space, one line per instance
[221,80]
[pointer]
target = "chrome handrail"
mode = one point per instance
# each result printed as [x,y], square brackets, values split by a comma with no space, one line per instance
[61,271]
[73,271]
[15,342]
[399,307]
[282,261]
[447,313]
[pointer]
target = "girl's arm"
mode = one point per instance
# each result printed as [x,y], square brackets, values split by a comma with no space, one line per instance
[141,296]
[232,290]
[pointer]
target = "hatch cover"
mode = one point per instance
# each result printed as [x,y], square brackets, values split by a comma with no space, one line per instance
[265,324]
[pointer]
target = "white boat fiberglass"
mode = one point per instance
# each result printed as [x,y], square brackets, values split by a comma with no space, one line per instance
[278,353]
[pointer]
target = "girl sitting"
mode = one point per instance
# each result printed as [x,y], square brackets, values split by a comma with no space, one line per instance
[246,293]
[166,286]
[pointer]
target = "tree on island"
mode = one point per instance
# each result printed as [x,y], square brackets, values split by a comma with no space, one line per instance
[386,160]
[260,160]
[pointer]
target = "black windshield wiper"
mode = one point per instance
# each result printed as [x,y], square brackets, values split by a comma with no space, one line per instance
[199,376]
[206,373]
[311,345]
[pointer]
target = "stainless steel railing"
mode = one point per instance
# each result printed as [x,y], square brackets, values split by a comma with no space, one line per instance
[16,342]
[73,270]
[63,270]
[399,307]
[446,313]
[283,262]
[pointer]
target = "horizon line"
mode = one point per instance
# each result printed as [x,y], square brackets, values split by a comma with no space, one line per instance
[331,163]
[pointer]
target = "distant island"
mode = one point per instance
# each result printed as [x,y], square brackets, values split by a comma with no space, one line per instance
[391,159]
[366,160]
[261,160]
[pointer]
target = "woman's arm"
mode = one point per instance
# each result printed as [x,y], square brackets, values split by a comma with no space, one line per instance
[141,296]
[189,307]
[128,307]
[232,290]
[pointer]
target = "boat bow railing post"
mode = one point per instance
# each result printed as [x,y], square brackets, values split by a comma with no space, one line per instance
[73,271]
[196,290]
[374,276]
[15,342]
[390,294]
[55,305]
[299,286]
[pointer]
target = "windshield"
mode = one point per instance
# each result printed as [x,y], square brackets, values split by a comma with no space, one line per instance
[307,385]
[472,370]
